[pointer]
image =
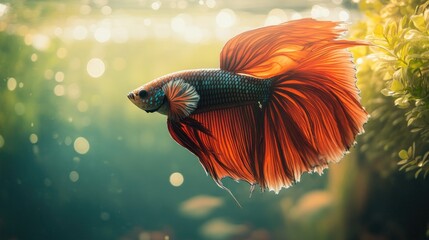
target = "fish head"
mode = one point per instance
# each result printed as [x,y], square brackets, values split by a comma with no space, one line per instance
[148,97]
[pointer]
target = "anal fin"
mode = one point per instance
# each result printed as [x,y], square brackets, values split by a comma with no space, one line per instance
[226,141]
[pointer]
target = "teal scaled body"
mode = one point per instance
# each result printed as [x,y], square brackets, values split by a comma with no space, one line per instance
[219,89]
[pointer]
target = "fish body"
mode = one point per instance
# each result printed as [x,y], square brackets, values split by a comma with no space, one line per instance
[283,102]
[215,88]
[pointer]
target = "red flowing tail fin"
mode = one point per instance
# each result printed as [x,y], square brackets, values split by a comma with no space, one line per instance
[314,113]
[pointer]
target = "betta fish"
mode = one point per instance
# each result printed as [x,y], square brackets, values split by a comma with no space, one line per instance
[283,102]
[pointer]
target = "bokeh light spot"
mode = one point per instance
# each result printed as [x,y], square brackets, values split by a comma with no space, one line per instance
[76,159]
[318,11]
[62,52]
[3,9]
[73,91]
[74,176]
[156,5]
[343,15]
[105,216]
[194,34]
[147,22]
[85,9]
[36,150]
[49,74]
[176,179]
[120,35]
[82,106]
[102,34]
[182,4]
[41,42]
[359,61]
[1,141]
[58,31]
[106,10]
[33,138]
[80,33]
[211,3]
[200,206]
[47,182]
[19,109]
[33,57]
[59,76]
[225,18]
[11,84]
[178,23]
[275,16]
[68,141]
[81,145]
[144,236]
[295,16]
[95,67]
[3,26]
[28,39]
[59,90]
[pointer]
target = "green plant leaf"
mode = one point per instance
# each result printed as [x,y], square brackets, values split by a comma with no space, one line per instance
[416,175]
[402,162]
[378,31]
[419,22]
[410,168]
[403,154]
[396,85]
[410,121]
[414,130]
[425,156]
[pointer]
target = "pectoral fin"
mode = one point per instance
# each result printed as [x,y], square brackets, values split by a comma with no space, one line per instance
[182,99]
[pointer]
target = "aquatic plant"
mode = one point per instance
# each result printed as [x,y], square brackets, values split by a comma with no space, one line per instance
[397,65]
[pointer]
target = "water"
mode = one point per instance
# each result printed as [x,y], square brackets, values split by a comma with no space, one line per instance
[79,161]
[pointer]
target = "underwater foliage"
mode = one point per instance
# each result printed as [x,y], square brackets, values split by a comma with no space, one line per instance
[397,66]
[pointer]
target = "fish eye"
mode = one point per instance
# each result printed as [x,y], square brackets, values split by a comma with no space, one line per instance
[142,94]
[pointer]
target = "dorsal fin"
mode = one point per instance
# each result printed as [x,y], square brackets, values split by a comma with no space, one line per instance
[270,51]
[182,98]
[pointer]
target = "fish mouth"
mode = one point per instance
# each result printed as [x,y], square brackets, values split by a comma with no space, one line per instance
[131,96]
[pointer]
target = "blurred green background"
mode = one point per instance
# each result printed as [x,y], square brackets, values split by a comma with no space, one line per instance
[79,161]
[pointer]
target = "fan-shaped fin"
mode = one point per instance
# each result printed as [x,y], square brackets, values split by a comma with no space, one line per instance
[182,98]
